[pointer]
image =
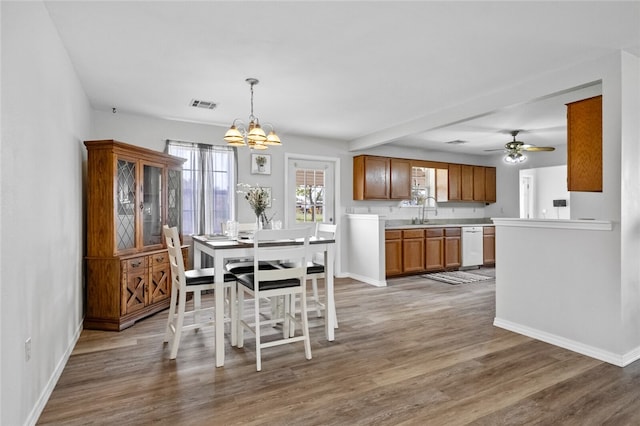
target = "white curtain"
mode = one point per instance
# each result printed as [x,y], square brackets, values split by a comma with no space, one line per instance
[208,186]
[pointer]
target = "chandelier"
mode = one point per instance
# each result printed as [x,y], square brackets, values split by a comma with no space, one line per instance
[253,135]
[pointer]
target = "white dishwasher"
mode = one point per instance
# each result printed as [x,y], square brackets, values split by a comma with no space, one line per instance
[472,246]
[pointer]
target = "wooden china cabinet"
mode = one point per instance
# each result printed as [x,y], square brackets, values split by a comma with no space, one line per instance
[131,193]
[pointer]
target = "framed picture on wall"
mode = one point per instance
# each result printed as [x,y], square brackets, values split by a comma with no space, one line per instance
[260,164]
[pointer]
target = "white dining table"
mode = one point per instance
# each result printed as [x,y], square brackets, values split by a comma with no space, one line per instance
[222,249]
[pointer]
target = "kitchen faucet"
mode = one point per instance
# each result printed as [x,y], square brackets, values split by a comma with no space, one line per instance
[424,209]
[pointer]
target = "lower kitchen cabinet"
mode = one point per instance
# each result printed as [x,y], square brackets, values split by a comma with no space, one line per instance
[413,250]
[393,253]
[489,245]
[452,248]
[418,250]
[434,249]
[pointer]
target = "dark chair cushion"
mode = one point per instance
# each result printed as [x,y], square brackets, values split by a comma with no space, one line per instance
[248,280]
[238,268]
[312,268]
[204,276]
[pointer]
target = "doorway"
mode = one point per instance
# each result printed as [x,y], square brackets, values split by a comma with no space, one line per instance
[310,192]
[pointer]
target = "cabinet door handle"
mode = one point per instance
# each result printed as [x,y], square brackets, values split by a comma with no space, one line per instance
[136,264]
[159,259]
[141,205]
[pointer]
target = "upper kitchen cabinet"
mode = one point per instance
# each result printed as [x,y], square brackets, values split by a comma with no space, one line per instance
[479,183]
[472,183]
[400,179]
[490,193]
[371,176]
[584,145]
[381,178]
[455,182]
[467,183]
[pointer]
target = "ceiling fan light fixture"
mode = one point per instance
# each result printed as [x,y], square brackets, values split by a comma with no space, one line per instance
[515,158]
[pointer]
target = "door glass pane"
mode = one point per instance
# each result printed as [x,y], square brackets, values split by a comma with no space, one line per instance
[152,206]
[310,192]
[174,198]
[125,217]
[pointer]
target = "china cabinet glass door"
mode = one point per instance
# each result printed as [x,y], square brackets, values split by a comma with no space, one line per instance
[152,205]
[126,206]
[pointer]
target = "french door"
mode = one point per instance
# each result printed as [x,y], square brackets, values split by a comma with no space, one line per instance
[310,194]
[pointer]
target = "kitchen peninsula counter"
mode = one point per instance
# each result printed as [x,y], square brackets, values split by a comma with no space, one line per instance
[559,281]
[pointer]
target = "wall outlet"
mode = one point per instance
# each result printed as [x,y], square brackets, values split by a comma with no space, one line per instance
[27,349]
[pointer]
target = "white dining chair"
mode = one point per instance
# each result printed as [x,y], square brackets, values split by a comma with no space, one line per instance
[193,281]
[244,266]
[276,283]
[316,269]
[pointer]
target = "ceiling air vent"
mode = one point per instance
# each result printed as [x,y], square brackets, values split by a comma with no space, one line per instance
[456,142]
[203,104]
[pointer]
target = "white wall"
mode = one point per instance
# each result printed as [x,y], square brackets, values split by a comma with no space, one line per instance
[606,262]
[45,117]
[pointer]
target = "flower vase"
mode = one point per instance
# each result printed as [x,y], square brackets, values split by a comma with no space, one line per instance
[258,223]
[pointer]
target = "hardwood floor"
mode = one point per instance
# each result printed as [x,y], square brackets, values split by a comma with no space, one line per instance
[414,353]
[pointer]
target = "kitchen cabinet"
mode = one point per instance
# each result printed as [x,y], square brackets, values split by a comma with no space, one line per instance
[381,178]
[131,193]
[489,245]
[434,249]
[472,183]
[479,176]
[417,250]
[393,253]
[490,193]
[466,178]
[400,179]
[371,176]
[584,145]
[455,182]
[413,250]
[452,248]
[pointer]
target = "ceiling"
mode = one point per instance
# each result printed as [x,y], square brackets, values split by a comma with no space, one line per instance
[343,70]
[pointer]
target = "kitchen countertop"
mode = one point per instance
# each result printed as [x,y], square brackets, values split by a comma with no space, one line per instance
[443,223]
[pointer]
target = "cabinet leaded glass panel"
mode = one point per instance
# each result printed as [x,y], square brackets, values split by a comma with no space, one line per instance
[125,218]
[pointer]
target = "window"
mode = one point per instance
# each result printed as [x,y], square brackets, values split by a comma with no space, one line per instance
[309,195]
[208,186]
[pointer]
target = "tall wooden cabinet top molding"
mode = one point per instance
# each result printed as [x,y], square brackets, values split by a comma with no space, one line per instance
[584,145]
[131,193]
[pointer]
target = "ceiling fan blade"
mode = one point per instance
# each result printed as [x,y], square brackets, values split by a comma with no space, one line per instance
[538,148]
[495,150]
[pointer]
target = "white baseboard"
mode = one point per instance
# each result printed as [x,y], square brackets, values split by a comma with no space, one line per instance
[572,345]
[35,413]
[368,280]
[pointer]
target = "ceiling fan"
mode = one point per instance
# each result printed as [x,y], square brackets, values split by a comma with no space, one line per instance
[515,148]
